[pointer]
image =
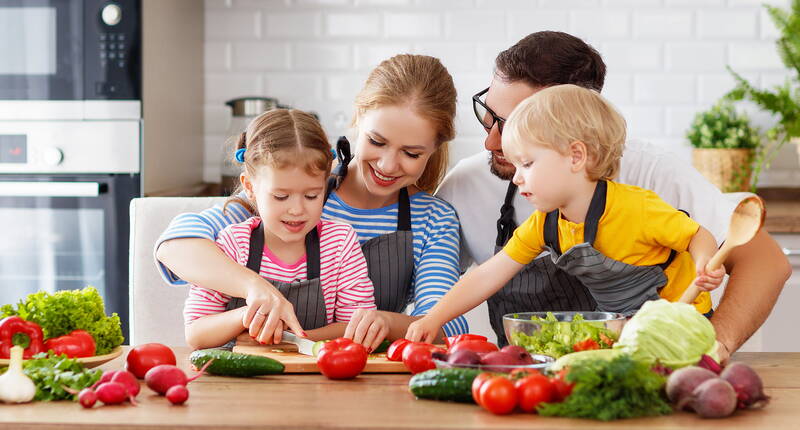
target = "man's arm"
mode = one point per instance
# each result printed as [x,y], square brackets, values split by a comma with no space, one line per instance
[758,271]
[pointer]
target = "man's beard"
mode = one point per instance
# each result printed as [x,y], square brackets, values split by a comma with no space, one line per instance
[505,173]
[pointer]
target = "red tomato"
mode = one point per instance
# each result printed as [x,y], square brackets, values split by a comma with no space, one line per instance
[477,383]
[562,388]
[498,396]
[521,373]
[417,357]
[144,357]
[341,359]
[474,346]
[532,390]
[453,340]
[395,351]
[586,345]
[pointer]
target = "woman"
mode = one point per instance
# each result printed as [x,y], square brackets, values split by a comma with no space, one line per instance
[404,118]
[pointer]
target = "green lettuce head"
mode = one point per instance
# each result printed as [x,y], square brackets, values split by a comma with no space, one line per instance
[674,334]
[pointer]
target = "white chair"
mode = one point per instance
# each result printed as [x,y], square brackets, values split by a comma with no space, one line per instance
[156,308]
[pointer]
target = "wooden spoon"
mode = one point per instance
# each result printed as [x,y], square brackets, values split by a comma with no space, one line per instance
[747,219]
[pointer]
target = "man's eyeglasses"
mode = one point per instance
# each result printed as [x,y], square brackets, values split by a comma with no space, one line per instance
[486,116]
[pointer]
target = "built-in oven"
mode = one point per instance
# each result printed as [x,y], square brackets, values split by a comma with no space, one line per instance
[70,145]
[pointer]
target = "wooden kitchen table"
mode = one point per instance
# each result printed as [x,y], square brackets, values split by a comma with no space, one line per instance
[369,401]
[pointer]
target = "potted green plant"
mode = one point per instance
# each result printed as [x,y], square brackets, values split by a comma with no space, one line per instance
[783,101]
[725,145]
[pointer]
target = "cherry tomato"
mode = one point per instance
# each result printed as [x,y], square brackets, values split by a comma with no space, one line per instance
[417,357]
[453,340]
[586,345]
[532,390]
[562,388]
[395,351]
[341,359]
[498,395]
[474,346]
[146,356]
[477,383]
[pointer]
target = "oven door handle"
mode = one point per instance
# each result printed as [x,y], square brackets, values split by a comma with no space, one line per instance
[51,189]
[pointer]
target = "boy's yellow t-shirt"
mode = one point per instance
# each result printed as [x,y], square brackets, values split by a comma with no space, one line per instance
[637,228]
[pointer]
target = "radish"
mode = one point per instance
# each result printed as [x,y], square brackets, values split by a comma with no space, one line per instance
[748,386]
[107,375]
[111,393]
[129,380]
[683,381]
[87,398]
[177,394]
[165,376]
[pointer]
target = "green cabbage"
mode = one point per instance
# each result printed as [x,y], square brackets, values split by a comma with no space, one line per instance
[674,334]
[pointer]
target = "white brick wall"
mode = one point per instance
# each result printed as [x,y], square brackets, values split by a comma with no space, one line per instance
[666,58]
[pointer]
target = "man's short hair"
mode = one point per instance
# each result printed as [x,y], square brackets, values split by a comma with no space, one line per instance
[547,58]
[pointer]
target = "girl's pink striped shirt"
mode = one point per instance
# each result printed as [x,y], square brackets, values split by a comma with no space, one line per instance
[343,271]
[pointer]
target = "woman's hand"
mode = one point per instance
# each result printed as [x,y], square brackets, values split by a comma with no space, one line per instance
[268,313]
[424,329]
[368,327]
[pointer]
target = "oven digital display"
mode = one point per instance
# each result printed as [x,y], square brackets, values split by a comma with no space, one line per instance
[13,148]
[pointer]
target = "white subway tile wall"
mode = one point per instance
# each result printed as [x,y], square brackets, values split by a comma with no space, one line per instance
[666,58]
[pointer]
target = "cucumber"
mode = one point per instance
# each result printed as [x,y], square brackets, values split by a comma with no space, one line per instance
[227,363]
[454,385]
[383,347]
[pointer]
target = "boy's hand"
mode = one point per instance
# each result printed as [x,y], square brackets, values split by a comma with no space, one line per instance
[424,329]
[708,280]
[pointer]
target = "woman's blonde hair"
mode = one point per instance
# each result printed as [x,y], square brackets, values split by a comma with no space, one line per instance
[559,115]
[424,84]
[282,138]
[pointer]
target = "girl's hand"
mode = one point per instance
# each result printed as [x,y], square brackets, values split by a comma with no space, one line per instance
[424,329]
[368,327]
[708,280]
[268,312]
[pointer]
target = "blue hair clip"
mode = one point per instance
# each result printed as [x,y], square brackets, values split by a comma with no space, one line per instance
[240,155]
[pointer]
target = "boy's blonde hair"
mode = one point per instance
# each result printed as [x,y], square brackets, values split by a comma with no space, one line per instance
[559,115]
[282,138]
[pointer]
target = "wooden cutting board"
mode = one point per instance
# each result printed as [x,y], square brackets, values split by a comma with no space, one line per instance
[295,362]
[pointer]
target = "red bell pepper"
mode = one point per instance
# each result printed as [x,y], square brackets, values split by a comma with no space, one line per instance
[453,340]
[79,343]
[10,326]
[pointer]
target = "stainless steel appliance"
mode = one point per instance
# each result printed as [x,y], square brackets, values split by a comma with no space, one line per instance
[70,145]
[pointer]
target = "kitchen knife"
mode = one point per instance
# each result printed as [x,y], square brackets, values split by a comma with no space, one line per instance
[304,346]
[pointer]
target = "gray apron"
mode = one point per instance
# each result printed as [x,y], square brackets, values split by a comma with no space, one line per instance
[614,285]
[390,257]
[306,296]
[539,287]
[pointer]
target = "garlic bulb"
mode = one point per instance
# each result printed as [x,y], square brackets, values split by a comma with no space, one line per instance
[15,386]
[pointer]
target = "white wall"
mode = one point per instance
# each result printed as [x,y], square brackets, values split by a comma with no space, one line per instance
[666,58]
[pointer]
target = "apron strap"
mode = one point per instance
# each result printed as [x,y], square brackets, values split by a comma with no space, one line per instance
[403,211]
[672,253]
[312,251]
[506,224]
[596,209]
[344,156]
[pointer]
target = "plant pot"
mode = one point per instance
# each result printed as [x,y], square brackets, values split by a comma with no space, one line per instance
[728,169]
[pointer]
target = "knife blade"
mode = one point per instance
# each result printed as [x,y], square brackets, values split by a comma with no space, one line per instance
[304,346]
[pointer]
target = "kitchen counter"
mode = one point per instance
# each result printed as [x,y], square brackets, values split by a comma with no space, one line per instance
[369,401]
[783,209]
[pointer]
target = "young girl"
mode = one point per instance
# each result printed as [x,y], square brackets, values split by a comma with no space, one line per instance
[624,243]
[316,264]
[404,119]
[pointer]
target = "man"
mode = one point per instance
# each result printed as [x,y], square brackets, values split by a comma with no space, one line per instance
[484,198]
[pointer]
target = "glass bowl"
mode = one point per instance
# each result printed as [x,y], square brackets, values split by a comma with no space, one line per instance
[541,362]
[521,323]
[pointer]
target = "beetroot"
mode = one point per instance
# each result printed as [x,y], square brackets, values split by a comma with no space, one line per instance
[464,357]
[709,363]
[519,353]
[177,394]
[683,381]
[747,384]
[714,398]
[111,393]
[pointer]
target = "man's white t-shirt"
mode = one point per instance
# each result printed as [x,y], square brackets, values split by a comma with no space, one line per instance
[477,194]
